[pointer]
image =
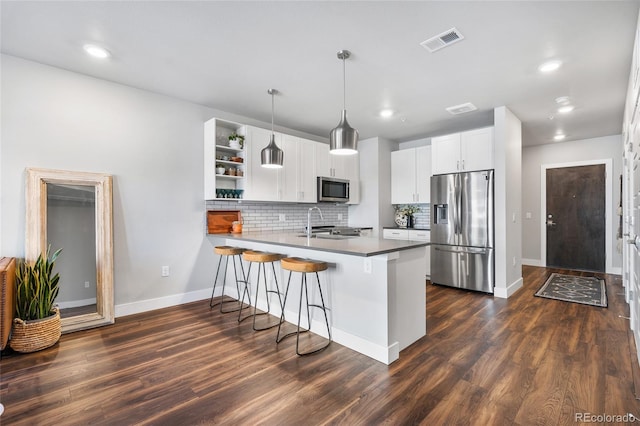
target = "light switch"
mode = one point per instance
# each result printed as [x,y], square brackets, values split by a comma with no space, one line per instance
[528,215]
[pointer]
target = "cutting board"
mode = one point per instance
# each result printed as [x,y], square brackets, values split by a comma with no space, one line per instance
[220,221]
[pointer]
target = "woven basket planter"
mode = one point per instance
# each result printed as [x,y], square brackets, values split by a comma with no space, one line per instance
[35,335]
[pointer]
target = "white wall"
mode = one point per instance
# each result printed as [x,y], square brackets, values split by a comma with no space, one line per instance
[608,147]
[151,144]
[508,227]
[375,207]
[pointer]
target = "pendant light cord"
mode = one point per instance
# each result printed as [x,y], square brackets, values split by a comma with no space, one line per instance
[272,111]
[344,84]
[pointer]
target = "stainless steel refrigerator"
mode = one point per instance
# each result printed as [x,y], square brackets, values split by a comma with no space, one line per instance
[462,228]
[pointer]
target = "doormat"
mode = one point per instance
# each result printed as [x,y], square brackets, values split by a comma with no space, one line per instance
[571,288]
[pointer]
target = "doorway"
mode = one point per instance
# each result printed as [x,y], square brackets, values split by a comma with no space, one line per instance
[576,215]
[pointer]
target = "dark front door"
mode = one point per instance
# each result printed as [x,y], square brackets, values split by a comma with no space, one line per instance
[576,218]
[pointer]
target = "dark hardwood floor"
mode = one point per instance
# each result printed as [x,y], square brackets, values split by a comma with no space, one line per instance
[484,361]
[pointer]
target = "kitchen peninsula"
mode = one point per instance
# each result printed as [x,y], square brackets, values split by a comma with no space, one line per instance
[374,288]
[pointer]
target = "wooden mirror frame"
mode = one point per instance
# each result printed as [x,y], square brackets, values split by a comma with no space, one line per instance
[36,236]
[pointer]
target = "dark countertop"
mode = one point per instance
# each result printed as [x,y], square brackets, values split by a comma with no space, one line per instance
[356,246]
[415,229]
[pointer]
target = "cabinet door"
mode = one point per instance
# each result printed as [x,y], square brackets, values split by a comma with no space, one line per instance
[423,174]
[323,166]
[419,235]
[403,176]
[262,182]
[288,175]
[445,152]
[477,149]
[348,167]
[306,189]
[395,234]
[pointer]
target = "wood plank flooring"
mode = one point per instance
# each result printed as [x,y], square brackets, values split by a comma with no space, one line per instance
[484,361]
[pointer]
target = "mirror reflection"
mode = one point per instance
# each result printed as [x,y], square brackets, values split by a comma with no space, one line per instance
[71,225]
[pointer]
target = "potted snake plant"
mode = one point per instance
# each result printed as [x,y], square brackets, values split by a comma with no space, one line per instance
[37,324]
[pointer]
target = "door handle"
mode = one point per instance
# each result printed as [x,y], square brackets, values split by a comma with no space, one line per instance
[634,241]
[550,222]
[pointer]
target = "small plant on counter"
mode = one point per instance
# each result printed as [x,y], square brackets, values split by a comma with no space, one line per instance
[407,210]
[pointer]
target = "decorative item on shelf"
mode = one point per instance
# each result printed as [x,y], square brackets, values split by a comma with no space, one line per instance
[272,157]
[37,324]
[343,139]
[232,171]
[237,159]
[220,169]
[404,215]
[239,172]
[236,141]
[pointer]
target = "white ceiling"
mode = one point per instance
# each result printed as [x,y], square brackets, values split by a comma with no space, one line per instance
[227,54]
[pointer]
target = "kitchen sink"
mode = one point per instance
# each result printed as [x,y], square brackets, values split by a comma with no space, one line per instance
[329,236]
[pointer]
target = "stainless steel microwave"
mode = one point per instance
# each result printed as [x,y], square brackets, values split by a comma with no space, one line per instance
[333,190]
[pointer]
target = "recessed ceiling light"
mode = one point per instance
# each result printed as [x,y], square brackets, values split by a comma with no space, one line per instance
[96,51]
[549,66]
[386,113]
[559,137]
[562,100]
[566,109]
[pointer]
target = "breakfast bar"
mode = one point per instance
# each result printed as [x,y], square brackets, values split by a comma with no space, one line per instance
[374,288]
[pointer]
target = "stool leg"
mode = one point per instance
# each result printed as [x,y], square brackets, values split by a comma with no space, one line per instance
[286,293]
[235,273]
[246,291]
[267,291]
[215,282]
[324,310]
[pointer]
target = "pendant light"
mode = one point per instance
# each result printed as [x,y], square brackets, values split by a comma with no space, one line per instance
[343,140]
[272,156]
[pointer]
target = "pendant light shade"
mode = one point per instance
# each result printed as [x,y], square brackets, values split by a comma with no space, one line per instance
[343,140]
[272,156]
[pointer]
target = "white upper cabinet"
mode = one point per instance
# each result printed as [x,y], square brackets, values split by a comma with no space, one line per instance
[340,166]
[298,177]
[463,152]
[244,177]
[411,175]
[262,183]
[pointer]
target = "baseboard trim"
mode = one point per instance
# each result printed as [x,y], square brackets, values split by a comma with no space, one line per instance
[506,292]
[532,262]
[76,303]
[161,302]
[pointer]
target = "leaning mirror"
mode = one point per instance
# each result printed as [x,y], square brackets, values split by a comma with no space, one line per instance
[73,211]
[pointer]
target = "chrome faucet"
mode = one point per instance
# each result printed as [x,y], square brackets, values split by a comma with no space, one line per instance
[309,219]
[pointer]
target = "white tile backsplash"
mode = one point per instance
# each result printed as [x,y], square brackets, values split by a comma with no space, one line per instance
[262,216]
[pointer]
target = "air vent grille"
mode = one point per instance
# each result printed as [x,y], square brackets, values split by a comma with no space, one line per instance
[444,39]
[462,108]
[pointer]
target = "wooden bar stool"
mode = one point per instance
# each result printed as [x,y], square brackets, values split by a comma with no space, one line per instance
[261,258]
[235,253]
[295,264]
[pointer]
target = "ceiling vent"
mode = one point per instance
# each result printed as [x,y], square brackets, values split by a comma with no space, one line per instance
[462,108]
[444,39]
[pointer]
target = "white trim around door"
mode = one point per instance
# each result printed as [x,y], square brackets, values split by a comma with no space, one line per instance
[609,249]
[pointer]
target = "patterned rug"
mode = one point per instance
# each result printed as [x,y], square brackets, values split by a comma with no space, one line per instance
[570,288]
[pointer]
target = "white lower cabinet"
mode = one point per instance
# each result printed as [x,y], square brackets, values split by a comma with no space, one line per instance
[411,235]
[395,234]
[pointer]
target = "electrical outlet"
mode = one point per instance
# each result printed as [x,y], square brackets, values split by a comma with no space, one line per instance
[514,261]
[367,266]
[528,215]
[282,217]
[86,284]
[165,271]
[513,217]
